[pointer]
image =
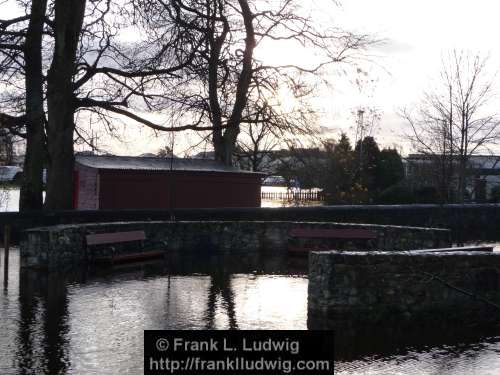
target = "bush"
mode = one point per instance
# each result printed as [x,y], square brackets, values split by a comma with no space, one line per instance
[396,194]
[427,194]
[495,194]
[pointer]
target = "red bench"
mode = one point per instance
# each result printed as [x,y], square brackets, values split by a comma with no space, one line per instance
[298,235]
[121,237]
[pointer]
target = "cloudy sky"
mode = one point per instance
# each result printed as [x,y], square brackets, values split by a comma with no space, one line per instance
[416,34]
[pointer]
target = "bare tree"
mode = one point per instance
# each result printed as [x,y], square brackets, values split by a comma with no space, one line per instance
[268,128]
[21,62]
[80,67]
[6,147]
[31,196]
[254,150]
[67,26]
[225,84]
[457,119]
[197,62]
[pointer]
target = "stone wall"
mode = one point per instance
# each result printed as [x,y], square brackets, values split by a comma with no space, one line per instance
[350,289]
[470,222]
[63,245]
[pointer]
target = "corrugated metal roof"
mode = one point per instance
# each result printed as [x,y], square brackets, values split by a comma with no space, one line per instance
[154,164]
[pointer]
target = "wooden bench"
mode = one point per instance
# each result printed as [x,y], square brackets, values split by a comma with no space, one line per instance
[320,233]
[121,237]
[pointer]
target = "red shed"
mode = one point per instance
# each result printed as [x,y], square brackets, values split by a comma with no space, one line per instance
[115,182]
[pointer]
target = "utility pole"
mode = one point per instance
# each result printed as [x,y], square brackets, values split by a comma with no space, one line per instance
[360,128]
[172,182]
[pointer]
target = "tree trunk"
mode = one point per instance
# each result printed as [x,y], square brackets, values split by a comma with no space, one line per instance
[61,104]
[462,178]
[224,147]
[31,196]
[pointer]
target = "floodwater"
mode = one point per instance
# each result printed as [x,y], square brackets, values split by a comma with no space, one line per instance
[93,322]
[9,198]
[480,358]
[280,203]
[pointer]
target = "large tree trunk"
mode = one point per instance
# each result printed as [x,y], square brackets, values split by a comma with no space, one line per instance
[31,197]
[224,146]
[61,104]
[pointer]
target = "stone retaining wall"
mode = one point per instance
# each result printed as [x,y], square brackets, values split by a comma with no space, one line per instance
[468,222]
[376,288]
[64,245]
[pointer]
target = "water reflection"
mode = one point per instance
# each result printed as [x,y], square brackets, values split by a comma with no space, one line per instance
[43,305]
[93,322]
[220,295]
[480,358]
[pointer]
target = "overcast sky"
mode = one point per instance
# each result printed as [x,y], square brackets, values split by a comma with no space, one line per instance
[417,33]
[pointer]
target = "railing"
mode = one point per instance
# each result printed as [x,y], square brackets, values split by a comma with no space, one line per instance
[303,196]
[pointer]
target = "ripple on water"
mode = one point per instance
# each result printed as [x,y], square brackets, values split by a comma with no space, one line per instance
[477,358]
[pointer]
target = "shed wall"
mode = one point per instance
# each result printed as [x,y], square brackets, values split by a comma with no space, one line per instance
[152,189]
[87,196]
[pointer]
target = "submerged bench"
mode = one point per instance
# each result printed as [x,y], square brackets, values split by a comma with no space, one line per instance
[59,246]
[99,239]
[328,233]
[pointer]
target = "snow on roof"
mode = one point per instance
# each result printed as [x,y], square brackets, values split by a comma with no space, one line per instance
[154,164]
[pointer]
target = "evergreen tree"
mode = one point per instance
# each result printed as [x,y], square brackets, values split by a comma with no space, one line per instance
[366,160]
[390,169]
[339,177]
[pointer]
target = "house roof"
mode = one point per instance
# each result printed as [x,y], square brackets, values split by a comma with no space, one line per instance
[477,161]
[431,156]
[154,164]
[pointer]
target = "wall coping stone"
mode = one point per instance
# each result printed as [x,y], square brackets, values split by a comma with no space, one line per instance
[409,253]
[239,222]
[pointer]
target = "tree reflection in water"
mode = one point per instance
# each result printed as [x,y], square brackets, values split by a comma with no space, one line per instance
[221,287]
[43,328]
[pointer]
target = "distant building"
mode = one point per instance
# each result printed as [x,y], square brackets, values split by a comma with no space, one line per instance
[482,174]
[205,155]
[120,182]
